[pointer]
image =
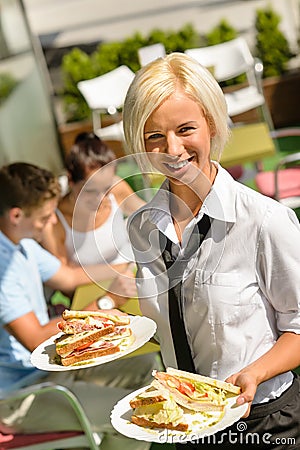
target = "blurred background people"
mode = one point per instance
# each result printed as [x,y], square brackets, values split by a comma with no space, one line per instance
[29,204]
[91,227]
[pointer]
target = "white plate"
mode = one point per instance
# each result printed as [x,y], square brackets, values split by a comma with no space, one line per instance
[42,357]
[120,419]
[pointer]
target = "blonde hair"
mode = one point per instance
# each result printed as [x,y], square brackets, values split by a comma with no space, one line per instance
[159,79]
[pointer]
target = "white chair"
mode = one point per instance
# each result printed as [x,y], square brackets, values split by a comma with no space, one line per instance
[84,438]
[228,60]
[106,94]
[150,53]
[63,183]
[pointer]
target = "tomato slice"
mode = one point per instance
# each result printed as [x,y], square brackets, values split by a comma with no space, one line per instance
[186,388]
[82,347]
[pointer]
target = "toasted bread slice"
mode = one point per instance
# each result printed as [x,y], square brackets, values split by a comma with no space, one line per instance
[118,320]
[229,387]
[143,422]
[89,353]
[138,402]
[119,332]
[66,343]
[148,397]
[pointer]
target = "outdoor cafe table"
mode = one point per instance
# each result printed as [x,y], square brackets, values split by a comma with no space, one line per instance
[248,144]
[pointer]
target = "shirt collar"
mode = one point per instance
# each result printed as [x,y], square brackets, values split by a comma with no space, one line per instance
[10,246]
[157,211]
[219,203]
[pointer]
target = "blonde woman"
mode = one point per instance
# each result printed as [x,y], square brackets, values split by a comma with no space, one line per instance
[233,252]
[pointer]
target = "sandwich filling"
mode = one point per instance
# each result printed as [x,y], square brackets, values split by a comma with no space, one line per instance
[163,412]
[191,394]
[73,326]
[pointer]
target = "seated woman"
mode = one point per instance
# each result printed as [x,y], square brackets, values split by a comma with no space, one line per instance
[91,228]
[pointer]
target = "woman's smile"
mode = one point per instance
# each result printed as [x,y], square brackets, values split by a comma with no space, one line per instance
[177,138]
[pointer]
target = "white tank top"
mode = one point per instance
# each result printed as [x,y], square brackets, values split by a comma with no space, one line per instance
[107,244]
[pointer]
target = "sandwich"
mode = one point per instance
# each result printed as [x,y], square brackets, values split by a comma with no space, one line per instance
[91,334]
[181,401]
[193,391]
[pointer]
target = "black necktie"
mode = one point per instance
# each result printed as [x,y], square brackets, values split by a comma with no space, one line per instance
[175,269]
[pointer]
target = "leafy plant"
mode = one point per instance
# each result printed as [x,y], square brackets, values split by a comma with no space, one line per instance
[7,85]
[175,41]
[111,55]
[271,45]
[223,32]
[76,66]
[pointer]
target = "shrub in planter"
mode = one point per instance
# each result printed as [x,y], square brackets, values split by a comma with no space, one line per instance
[111,55]
[223,32]
[176,41]
[272,46]
[76,66]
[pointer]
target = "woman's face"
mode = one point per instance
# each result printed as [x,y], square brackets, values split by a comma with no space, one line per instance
[91,193]
[177,139]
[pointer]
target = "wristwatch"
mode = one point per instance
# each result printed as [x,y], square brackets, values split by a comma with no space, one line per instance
[105,302]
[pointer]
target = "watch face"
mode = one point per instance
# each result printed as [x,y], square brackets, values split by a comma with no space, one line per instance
[105,303]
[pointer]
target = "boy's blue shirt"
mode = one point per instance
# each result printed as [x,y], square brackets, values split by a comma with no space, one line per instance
[23,269]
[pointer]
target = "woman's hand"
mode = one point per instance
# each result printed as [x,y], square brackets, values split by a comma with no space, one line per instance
[123,287]
[282,357]
[248,384]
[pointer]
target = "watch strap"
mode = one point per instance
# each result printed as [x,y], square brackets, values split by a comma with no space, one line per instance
[105,302]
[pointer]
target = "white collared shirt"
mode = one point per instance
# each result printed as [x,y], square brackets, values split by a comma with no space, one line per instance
[240,291]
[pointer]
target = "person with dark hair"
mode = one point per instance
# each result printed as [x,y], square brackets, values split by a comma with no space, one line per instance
[91,227]
[29,197]
[218,263]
